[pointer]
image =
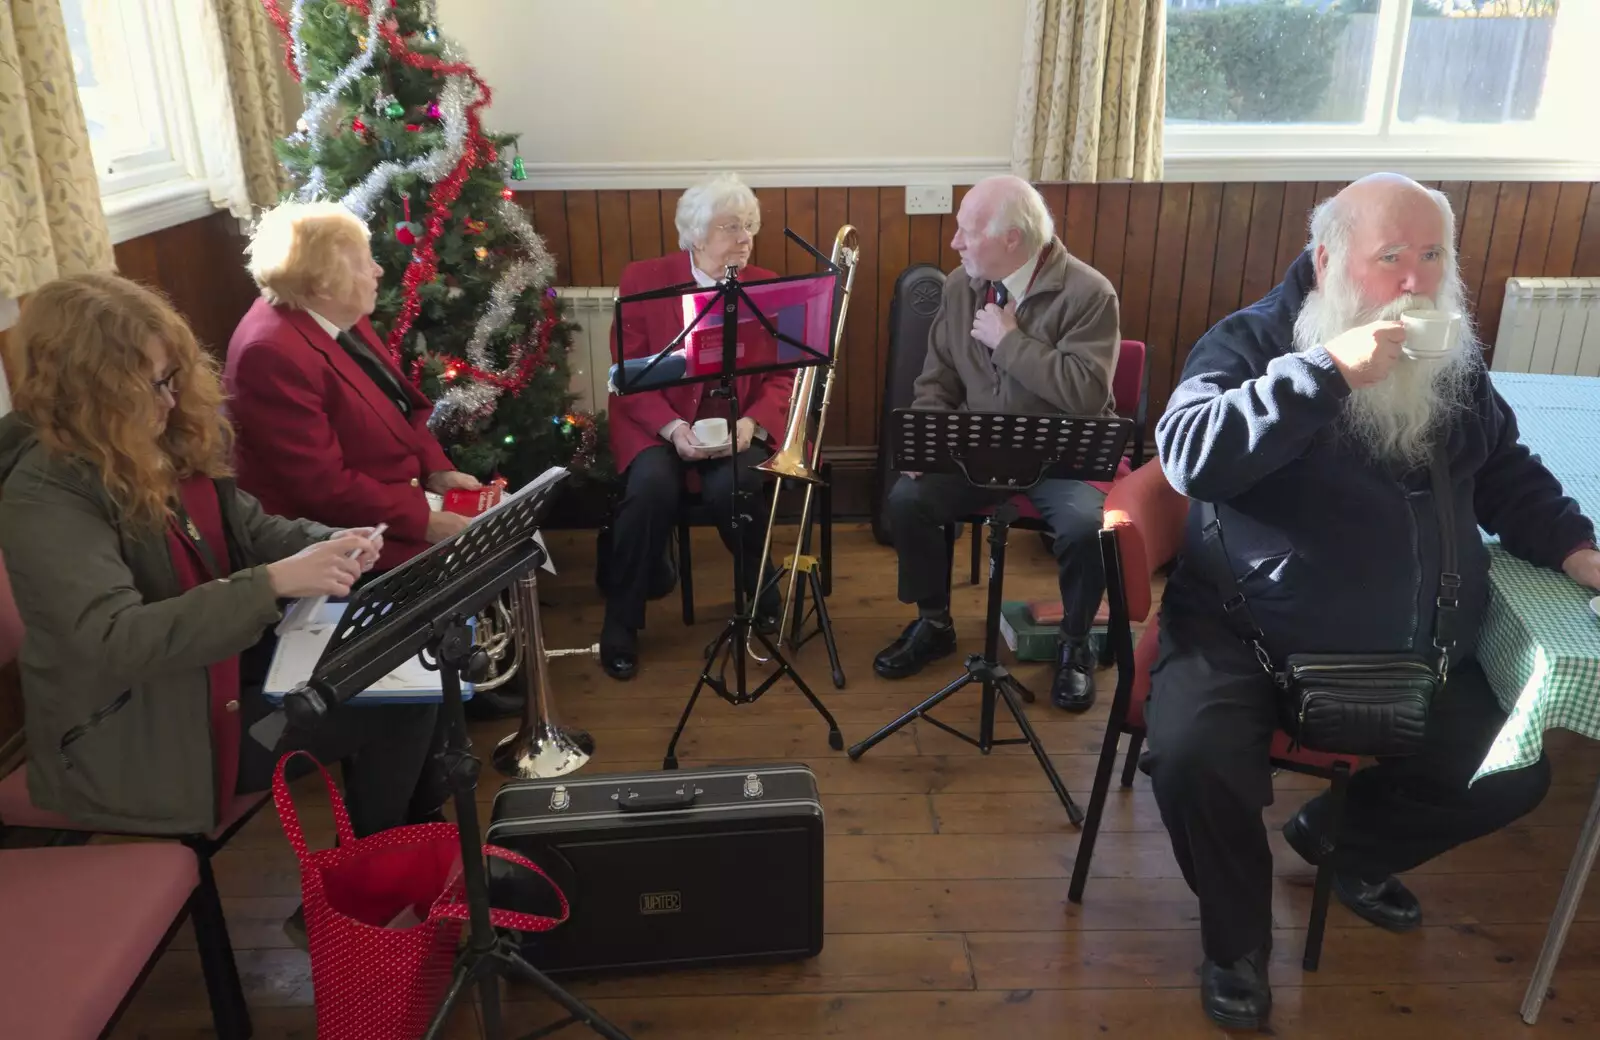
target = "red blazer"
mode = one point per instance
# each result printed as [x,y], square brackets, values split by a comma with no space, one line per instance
[317,439]
[636,419]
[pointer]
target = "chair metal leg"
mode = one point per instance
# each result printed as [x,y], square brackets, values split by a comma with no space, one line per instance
[1131,766]
[977,554]
[229,1012]
[685,573]
[1097,799]
[1324,885]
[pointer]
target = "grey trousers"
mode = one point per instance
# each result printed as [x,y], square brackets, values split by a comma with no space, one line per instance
[919,510]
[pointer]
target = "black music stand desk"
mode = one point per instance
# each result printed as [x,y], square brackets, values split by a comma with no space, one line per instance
[1004,453]
[424,606]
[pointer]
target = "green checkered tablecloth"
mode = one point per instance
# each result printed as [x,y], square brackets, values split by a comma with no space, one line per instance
[1540,642]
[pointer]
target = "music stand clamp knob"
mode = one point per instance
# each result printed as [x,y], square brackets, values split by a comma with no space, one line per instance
[304,706]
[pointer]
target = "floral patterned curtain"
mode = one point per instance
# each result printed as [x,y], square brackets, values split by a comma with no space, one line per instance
[51,223]
[1092,94]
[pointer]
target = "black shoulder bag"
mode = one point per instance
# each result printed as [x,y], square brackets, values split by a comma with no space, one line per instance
[1353,704]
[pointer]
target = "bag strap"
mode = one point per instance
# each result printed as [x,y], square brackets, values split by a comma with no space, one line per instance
[450,907]
[1236,612]
[1449,597]
[290,819]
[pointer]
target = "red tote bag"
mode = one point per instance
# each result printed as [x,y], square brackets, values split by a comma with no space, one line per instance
[384,916]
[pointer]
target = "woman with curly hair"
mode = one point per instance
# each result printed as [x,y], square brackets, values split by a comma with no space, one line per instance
[146,580]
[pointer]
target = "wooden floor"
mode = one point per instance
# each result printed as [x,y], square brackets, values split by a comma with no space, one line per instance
[947,914]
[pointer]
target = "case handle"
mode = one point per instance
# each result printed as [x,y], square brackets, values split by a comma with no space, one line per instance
[680,799]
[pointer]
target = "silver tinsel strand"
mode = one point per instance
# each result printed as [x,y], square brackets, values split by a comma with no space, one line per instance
[459,406]
[319,105]
[433,167]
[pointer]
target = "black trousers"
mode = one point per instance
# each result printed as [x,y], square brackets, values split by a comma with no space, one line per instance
[919,510]
[385,751]
[1211,716]
[648,514]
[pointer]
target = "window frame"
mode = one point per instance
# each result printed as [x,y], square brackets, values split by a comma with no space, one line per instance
[1552,146]
[165,186]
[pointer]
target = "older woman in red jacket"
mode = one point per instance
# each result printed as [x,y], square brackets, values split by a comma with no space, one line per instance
[652,433]
[328,426]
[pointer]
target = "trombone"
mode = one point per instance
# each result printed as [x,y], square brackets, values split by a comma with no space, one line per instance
[791,461]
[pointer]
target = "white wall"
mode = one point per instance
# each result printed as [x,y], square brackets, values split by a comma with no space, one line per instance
[652,93]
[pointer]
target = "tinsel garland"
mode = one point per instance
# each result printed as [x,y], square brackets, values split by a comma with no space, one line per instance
[465,148]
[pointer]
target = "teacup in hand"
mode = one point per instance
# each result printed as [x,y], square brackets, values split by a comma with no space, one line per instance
[713,433]
[1430,334]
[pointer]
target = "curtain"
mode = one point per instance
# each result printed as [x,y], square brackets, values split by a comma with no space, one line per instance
[1092,92]
[253,56]
[51,223]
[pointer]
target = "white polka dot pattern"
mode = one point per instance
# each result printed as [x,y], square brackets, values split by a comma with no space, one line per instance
[384,918]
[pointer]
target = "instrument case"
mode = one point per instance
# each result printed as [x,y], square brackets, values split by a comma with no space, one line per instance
[680,868]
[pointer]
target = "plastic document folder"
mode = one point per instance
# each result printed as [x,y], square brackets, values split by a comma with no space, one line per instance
[301,648]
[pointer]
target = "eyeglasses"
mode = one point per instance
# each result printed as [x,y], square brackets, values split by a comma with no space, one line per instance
[749,227]
[169,385]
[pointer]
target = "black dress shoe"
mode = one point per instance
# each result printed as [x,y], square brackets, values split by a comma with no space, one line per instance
[1387,903]
[1236,995]
[1073,687]
[619,653]
[921,643]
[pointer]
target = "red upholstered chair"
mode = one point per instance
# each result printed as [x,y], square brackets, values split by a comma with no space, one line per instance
[1143,531]
[17,810]
[81,926]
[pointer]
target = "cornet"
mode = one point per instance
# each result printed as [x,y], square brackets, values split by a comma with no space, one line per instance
[541,748]
[791,462]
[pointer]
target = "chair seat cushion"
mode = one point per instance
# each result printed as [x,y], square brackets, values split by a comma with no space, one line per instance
[18,810]
[77,926]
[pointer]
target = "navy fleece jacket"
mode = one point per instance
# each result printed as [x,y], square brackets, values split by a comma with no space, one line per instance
[1335,552]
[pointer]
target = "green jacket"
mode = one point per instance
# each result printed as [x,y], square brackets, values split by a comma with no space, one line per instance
[114,657]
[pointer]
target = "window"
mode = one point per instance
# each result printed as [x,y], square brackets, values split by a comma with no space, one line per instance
[1328,88]
[141,64]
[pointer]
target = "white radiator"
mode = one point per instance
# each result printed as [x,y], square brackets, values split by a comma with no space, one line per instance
[1550,326]
[589,360]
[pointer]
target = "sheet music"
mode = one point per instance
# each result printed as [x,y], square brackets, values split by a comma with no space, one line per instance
[299,651]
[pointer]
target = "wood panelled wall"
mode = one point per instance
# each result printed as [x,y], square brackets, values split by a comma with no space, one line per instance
[1182,256]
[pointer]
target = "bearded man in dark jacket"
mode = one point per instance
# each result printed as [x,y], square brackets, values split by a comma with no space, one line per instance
[1310,430]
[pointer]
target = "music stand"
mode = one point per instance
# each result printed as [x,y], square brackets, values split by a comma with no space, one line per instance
[1003,453]
[425,605]
[735,329]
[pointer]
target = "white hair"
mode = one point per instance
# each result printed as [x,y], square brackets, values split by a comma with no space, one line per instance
[1398,419]
[1333,221]
[1023,208]
[700,205]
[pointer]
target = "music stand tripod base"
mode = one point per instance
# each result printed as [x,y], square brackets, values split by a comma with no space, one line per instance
[1001,453]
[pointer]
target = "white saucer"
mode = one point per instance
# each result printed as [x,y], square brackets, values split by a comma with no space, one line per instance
[716,447]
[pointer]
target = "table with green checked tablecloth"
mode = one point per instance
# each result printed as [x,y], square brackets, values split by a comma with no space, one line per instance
[1540,641]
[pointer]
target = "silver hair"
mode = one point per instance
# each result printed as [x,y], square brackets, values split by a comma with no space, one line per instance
[699,205]
[1023,208]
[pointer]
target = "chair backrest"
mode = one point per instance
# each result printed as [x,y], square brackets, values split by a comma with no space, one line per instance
[911,310]
[1128,381]
[10,621]
[1147,518]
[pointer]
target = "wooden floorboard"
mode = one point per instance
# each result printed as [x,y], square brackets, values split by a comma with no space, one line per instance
[945,901]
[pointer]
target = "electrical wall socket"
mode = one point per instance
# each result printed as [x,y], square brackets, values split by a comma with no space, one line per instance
[928,198]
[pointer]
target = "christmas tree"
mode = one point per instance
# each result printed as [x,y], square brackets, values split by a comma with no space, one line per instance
[392,129]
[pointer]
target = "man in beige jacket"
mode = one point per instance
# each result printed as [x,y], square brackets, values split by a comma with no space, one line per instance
[1024,328]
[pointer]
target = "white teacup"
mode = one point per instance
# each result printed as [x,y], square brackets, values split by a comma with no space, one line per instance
[1429,334]
[713,433]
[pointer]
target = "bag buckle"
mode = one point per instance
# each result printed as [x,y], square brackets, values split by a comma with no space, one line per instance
[1449,585]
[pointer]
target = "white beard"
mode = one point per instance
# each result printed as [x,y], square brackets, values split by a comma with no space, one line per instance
[1394,421]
